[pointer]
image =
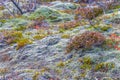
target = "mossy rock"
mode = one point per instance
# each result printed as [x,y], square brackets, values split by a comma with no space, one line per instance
[20,28]
[50,14]
[105,28]
[64,6]
[16,22]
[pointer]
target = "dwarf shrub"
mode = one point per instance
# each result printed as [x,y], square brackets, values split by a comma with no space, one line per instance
[85,41]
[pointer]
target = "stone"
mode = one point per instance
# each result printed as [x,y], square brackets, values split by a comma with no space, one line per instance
[50,40]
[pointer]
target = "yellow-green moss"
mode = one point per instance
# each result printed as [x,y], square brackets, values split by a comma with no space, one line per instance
[65,36]
[35,76]
[83,74]
[22,42]
[87,63]
[87,60]
[104,66]
[86,66]
[60,64]
[12,36]
[3,20]
[20,28]
[39,36]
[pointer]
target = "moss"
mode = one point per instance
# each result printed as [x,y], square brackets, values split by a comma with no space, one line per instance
[35,76]
[38,36]
[65,36]
[12,36]
[86,66]
[100,27]
[60,64]
[20,28]
[104,66]
[105,28]
[83,74]
[22,42]
[87,63]
[77,77]
[109,44]
[107,78]
[61,30]
[58,71]
[114,7]
[28,33]
[87,60]
[3,21]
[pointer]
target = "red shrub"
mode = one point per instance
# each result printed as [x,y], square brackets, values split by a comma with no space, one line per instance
[86,41]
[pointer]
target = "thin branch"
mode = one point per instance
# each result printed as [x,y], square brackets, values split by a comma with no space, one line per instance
[17,6]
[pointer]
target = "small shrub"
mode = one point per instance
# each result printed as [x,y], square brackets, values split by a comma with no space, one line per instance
[3,70]
[86,41]
[69,25]
[88,12]
[97,11]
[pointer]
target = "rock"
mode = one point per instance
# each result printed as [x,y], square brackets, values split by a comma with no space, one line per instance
[50,14]
[107,78]
[115,73]
[64,6]
[2,45]
[99,75]
[70,56]
[26,76]
[41,49]
[50,40]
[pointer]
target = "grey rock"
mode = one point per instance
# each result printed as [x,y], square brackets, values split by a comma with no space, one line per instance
[2,45]
[50,40]
[115,73]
